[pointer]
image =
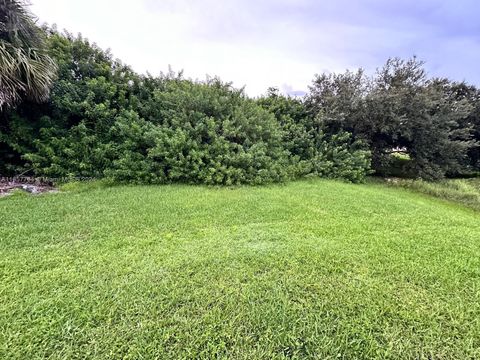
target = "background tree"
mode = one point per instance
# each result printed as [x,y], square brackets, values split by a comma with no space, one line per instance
[400,110]
[470,94]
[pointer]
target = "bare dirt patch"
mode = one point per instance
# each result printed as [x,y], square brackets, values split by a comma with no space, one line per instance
[29,185]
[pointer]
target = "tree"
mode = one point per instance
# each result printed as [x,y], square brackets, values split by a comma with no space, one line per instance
[465,92]
[26,71]
[399,110]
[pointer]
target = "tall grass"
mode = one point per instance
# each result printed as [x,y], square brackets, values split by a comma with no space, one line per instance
[463,191]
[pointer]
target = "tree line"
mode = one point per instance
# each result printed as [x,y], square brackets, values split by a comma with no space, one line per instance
[69,109]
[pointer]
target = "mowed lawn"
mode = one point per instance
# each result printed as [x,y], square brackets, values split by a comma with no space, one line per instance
[310,269]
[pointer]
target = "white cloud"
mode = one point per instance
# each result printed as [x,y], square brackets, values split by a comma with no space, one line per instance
[150,38]
[265,43]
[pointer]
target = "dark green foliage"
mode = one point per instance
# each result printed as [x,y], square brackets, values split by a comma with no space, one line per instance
[399,110]
[90,90]
[103,120]
[311,151]
[211,133]
[198,133]
[470,94]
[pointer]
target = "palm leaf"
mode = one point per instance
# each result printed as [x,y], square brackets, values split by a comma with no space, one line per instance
[25,68]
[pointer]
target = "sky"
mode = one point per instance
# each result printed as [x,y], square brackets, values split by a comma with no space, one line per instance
[257,44]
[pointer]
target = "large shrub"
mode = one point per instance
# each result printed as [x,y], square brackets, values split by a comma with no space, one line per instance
[103,120]
[311,151]
[196,133]
[206,133]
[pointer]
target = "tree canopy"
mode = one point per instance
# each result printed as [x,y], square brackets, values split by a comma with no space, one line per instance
[400,110]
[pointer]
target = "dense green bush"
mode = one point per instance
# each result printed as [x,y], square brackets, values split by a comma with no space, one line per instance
[310,150]
[210,133]
[204,133]
[103,120]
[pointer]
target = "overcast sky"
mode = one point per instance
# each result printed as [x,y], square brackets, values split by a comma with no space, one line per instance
[283,43]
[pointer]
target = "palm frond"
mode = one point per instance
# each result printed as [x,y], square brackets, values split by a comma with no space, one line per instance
[25,68]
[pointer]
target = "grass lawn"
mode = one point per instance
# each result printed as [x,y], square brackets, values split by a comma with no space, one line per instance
[463,191]
[311,269]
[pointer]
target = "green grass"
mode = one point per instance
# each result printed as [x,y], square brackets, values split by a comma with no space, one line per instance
[312,269]
[462,191]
